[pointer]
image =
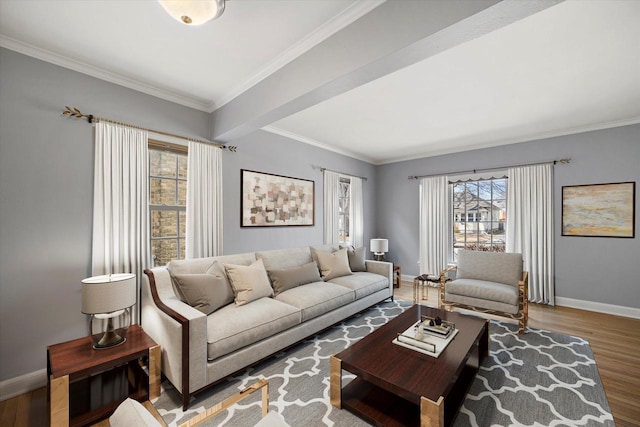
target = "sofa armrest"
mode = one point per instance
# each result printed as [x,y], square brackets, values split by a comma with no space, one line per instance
[180,329]
[383,268]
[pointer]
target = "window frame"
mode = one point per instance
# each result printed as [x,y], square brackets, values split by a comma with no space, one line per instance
[178,150]
[476,218]
[344,217]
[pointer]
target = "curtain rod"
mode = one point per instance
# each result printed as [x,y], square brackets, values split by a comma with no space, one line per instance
[76,114]
[364,178]
[563,161]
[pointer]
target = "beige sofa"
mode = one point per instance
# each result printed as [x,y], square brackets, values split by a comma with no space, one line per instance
[199,349]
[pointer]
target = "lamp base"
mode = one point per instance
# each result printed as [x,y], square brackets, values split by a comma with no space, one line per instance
[108,340]
[109,329]
[379,256]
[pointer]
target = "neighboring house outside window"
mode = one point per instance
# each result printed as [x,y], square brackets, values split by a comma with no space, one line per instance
[344,211]
[479,215]
[167,205]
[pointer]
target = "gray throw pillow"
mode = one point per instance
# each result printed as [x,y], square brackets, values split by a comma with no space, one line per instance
[249,282]
[204,292]
[333,265]
[356,258]
[288,278]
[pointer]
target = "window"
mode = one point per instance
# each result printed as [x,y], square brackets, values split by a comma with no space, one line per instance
[479,215]
[167,204]
[344,210]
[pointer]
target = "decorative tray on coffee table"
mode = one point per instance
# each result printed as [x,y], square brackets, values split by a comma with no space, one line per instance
[428,336]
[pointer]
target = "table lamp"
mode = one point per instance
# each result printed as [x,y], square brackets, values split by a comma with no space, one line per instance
[379,247]
[108,299]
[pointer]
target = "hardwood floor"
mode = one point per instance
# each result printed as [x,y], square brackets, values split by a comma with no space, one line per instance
[615,342]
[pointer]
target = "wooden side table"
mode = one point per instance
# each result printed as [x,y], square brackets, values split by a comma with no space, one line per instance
[397,276]
[86,385]
[421,285]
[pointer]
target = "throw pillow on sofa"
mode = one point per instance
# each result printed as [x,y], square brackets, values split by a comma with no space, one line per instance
[334,264]
[204,292]
[288,278]
[249,282]
[356,258]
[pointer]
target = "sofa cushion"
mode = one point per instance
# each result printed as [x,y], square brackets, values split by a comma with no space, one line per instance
[490,266]
[362,283]
[236,326]
[201,265]
[284,258]
[288,278]
[483,290]
[249,282]
[356,258]
[205,292]
[315,299]
[334,264]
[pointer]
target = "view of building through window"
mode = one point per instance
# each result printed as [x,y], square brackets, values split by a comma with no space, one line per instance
[344,211]
[479,215]
[167,204]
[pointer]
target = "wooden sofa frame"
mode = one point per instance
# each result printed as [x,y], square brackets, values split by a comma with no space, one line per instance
[522,316]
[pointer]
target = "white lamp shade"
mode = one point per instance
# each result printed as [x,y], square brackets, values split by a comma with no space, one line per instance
[379,245]
[109,293]
[193,12]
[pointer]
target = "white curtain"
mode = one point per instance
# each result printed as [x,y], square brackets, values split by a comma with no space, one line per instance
[357,213]
[204,201]
[120,201]
[435,230]
[530,226]
[331,197]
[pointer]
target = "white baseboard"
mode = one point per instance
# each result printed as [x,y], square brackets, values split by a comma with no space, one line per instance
[616,310]
[23,384]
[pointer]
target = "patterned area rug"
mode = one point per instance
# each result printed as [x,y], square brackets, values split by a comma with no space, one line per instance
[536,379]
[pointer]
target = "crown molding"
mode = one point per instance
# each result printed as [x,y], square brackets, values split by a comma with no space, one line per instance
[90,70]
[320,34]
[517,140]
[315,143]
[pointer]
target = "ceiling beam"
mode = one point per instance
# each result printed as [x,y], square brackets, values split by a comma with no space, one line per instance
[389,38]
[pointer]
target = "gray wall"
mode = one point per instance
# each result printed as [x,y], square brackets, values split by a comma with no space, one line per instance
[265,152]
[604,270]
[46,195]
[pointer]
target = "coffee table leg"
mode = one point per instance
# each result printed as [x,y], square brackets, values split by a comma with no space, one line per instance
[335,382]
[431,413]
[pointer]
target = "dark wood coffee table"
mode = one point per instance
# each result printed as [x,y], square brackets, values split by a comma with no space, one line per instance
[397,386]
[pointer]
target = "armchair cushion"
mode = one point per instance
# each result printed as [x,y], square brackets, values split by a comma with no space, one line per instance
[483,290]
[490,266]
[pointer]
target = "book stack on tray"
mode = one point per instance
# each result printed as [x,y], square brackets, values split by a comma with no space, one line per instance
[427,338]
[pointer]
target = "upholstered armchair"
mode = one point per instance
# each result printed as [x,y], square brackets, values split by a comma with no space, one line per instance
[488,282]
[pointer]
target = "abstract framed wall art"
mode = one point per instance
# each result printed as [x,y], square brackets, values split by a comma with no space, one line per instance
[274,201]
[599,210]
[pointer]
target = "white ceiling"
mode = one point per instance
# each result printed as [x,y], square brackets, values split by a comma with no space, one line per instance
[569,68]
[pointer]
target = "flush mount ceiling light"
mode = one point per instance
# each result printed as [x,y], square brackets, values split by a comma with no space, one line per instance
[193,12]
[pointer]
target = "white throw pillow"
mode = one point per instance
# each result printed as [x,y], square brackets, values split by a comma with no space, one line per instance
[249,282]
